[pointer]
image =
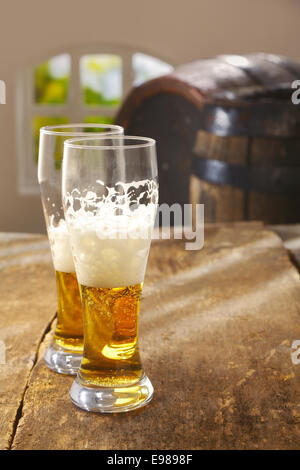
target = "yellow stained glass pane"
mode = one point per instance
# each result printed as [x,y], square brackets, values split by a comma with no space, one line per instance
[51,80]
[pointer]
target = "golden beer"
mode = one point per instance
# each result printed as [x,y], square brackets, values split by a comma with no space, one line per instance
[111,354]
[69,328]
[110,200]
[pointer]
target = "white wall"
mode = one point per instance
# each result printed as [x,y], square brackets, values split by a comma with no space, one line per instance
[33,30]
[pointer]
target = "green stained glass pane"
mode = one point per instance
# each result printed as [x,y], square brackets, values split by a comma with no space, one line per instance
[40,121]
[51,80]
[98,120]
[101,79]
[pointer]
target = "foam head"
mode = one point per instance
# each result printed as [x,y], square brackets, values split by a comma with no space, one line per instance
[60,246]
[111,232]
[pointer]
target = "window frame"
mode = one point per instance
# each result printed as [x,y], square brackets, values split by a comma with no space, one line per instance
[74,108]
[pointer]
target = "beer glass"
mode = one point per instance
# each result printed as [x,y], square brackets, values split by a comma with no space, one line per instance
[110,196]
[64,355]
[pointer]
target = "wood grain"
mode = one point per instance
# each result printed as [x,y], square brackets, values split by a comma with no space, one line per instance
[216,332]
[27,292]
[290,235]
[224,202]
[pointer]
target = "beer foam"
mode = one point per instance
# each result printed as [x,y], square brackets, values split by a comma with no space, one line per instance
[111,234]
[60,246]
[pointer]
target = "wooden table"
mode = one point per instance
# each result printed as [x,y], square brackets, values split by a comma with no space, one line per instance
[216,332]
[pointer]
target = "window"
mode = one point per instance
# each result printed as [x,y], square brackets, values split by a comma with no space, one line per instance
[83,85]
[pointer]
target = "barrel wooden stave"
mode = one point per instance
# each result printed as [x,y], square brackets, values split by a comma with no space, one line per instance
[262,70]
[222,203]
[173,136]
[275,208]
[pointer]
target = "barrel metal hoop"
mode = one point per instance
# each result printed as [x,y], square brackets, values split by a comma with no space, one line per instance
[267,179]
[273,120]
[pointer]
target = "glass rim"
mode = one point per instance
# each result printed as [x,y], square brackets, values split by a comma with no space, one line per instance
[75,143]
[50,130]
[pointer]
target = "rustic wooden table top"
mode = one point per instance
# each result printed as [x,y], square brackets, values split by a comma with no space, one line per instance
[216,332]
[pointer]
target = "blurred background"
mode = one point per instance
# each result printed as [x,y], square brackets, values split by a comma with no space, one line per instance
[65,61]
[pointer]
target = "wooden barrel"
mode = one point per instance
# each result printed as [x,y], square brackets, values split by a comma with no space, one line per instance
[170,109]
[247,152]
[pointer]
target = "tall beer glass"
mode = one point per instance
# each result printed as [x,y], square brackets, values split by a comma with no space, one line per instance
[110,195]
[64,355]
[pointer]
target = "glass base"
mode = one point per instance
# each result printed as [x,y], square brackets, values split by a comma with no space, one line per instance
[62,361]
[112,399]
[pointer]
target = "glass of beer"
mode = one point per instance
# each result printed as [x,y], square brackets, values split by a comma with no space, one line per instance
[64,355]
[110,196]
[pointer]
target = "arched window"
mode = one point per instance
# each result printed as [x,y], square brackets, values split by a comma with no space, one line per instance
[82,85]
